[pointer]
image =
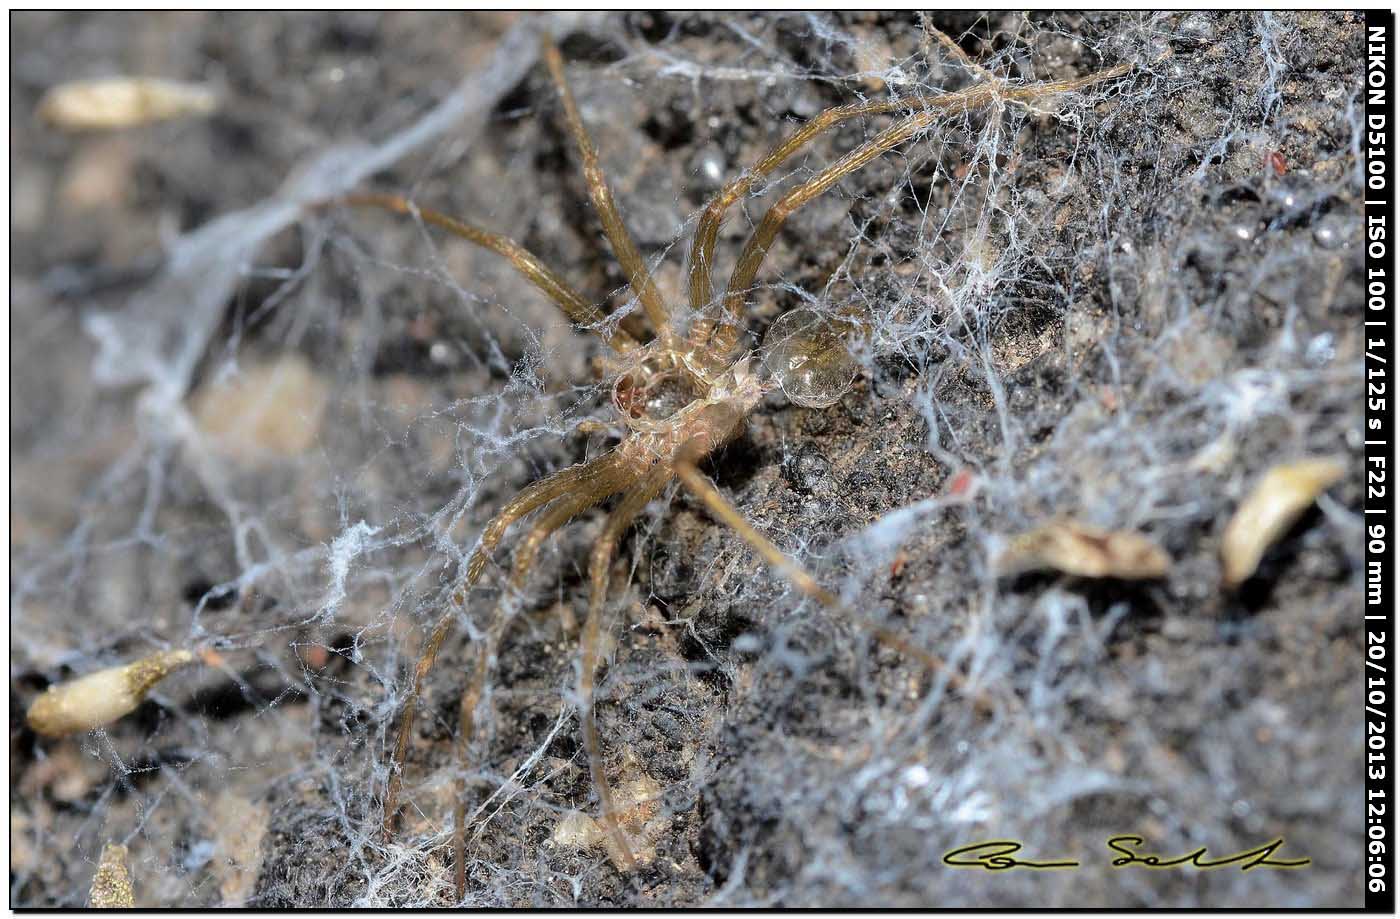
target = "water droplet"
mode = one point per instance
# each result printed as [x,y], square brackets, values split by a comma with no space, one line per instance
[1328,235]
[806,353]
[708,165]
[440,353]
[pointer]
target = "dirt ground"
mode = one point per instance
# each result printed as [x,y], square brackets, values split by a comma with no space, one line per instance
[1121,306]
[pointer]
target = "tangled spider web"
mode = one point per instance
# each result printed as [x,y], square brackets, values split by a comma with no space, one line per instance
[280,441]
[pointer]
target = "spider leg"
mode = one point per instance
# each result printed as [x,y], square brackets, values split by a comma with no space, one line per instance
[930,110]
[702,488]
[702,247]
[952,47]
[531,498]
[623,246]
[579,310]
[552,519]
[599,570]
[584,477]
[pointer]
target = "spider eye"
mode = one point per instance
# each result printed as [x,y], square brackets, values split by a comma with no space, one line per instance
[806,353]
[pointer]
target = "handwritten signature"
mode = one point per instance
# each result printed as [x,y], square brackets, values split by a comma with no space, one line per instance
[999,855]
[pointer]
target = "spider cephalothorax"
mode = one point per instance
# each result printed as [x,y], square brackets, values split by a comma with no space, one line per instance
[660,391]
[679,396]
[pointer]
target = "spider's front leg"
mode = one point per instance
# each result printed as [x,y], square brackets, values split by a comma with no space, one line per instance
[629,257]
[720,335]
[574,305]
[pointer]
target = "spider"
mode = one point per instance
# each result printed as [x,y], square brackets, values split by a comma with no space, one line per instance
[681,395]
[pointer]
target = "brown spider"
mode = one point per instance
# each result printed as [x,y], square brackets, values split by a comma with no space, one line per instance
[682,395]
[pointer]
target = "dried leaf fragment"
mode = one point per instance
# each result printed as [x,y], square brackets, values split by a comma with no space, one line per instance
[576,830]
[1275,504]
[111,886]
[637,799]
[100,698]
[120,102]
[1085,551]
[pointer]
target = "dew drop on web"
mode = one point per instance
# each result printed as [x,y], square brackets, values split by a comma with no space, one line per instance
[807,354]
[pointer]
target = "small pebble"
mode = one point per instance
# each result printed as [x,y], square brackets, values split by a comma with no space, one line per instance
[806,470]
[441,354]
[1196,29]
[1327,236]
[1321,350]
